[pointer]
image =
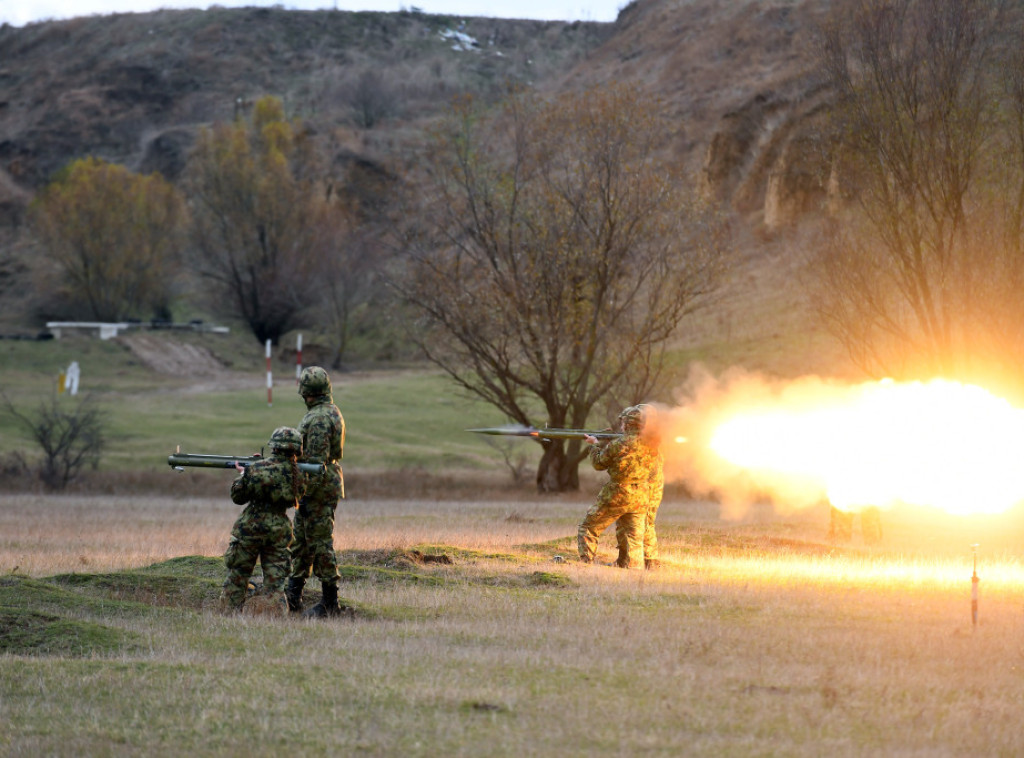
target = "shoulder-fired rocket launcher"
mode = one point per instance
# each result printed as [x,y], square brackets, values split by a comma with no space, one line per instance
[545,433]
[178,461]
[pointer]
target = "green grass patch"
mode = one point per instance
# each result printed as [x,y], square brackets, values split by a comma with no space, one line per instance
[24,632]
[52,596]
[398,420]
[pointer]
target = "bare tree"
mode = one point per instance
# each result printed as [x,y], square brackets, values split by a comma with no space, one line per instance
[349,286]
[921,275]
[70,436]
[559,253]
[371,98]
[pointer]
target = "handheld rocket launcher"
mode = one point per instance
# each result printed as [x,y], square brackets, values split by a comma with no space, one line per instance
[545,434]
[179,460]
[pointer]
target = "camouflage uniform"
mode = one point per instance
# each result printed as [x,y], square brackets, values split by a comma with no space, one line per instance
[262,532]
[629,462]
[841,525]
[655,490]
[323,441]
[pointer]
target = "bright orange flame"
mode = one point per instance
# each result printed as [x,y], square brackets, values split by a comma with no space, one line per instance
[942,444]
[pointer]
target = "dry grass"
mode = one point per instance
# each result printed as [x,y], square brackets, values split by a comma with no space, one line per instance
[758,639]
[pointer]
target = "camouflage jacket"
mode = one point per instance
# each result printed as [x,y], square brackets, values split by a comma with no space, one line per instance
[628,460]
[323,440]
[271,484]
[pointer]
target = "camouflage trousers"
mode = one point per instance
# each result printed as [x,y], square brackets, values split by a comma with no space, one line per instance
[841,525]
[313,548]
[262,537]
[622,505]
[650,534]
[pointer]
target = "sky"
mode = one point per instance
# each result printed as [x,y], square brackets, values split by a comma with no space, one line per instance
[21,12]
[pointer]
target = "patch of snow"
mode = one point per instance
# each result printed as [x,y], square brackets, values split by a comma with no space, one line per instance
[462,41]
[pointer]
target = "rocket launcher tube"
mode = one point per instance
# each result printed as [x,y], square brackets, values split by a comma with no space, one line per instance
[180,460]
[545,434]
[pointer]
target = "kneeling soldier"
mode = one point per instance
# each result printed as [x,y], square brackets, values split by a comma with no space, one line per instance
[262,532]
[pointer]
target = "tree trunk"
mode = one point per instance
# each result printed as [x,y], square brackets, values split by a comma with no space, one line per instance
[557,472]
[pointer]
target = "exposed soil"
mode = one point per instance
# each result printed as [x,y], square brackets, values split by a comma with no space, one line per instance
[174,358]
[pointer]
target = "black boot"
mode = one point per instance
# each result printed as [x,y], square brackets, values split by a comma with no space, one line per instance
[328,605]
[294,593]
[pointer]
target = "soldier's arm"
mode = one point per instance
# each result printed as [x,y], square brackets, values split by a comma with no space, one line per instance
[240,490]
[602,456]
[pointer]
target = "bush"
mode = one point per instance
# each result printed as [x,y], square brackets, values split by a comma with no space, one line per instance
[70,435]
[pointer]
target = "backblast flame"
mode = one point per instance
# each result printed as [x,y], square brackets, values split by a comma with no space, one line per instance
[942,444]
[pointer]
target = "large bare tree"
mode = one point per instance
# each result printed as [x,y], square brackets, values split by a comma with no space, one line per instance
[921,275]
[558,253]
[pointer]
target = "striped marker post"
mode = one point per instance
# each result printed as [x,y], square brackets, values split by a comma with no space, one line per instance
[974,590]
[298,358]
[270,379]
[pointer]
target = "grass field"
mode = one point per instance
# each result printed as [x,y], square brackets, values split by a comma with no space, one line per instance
[475,632]
[757,638]
[406,420]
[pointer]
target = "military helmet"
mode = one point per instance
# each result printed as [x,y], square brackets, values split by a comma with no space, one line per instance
[632,417]
[286,440]
[314,381]
[638,416]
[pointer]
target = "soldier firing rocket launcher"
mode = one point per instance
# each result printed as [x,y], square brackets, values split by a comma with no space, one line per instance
[179,460]
[546,433]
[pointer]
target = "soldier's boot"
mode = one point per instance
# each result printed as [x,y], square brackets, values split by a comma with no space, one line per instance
[294,593]
[652,564]
[328,605]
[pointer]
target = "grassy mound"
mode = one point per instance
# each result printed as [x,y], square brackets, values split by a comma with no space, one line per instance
[30,633]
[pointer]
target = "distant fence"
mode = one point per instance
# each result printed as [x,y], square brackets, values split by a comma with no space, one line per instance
[106,330]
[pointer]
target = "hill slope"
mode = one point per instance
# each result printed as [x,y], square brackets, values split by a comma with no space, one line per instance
[737,79]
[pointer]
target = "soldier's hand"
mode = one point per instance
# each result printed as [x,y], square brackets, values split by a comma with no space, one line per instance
[590,439]
[239,467]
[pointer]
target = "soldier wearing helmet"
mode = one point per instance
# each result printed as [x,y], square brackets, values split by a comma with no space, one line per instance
[323,441]
[268,488]
[651,436]
[630,463]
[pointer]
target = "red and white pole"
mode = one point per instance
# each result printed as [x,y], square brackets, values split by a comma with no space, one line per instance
[270,379]
[974,590]
[298,358]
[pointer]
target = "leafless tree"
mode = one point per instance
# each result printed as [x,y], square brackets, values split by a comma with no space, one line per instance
[350,287]
[371,98]
[558,254]
[70,434]
[921,274]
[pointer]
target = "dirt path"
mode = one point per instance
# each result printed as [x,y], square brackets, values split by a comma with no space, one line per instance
[174,358]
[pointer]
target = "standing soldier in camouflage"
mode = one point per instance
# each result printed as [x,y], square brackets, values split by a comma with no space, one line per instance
[323,440]
[269,486]
[629,461]
[650,433]
[840,527]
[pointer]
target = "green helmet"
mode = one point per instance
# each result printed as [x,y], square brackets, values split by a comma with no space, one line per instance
[314,381]
[286,441]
